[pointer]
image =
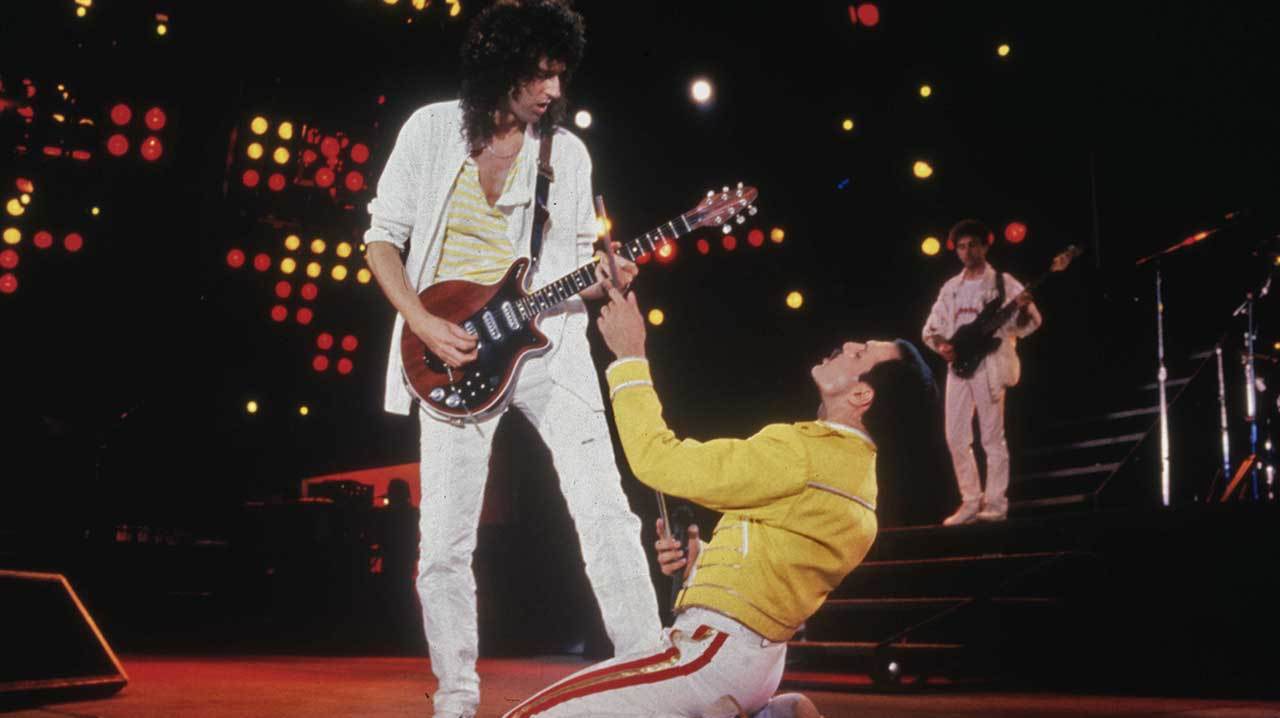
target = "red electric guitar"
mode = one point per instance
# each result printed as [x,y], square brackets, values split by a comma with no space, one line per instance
[504,316]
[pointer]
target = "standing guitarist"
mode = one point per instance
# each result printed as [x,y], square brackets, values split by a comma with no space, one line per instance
[459,190]
[961,300]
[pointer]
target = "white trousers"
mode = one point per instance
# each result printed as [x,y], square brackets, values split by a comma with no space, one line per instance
[964,397]
[454,469]
[707,666]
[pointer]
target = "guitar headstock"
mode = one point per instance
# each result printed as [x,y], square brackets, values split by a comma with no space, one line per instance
[723,208]
[1063,260]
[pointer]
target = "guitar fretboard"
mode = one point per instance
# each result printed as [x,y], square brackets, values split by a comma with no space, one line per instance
[568,286]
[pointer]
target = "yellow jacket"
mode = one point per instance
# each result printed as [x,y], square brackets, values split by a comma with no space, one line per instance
[798,503]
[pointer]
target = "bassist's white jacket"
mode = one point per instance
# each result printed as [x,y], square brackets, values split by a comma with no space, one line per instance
[409,208]
[1004,368]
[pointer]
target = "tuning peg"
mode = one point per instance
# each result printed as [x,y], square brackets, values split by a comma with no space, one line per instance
[727,228]
[725,188]
[711,193]
[752,210]
[739,185]
[719,219]
[740,219]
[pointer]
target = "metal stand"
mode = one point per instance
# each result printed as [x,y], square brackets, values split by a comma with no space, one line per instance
[1161,377]
[1222,416]
[1250,378]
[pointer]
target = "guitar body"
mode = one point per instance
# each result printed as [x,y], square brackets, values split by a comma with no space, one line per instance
[485,310]
[972,344]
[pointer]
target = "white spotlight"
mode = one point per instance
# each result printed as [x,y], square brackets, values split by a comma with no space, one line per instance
[701,91]
[582,119]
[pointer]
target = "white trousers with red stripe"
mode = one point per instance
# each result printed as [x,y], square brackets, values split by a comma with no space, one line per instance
[455,465]
[707,665]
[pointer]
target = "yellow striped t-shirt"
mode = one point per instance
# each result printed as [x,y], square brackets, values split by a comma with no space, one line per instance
[476,246]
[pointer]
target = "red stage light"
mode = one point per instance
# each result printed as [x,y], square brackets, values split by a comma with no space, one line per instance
[80,155]
[1015,232]
[325,341]
[73,242]
[329,147]
[308,291]
[8,259]
[730,242]
[43,240]
[755,238]
[320,363]
[349,343]
[283,289]
[355,181]
[262,262]
[24,185]
[118,145]
[324,177]
[869,14]
[309,156]
[250,178]
[121,114]
[152,149]
[279,313]
[704,247]
[644,258]
[235,259]
[53,151]
[8,284]
[155,119]
[276,182]
[345,366]
[305,316]
[359,153]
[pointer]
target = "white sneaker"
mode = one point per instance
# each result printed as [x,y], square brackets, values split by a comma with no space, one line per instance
[966,514]
[989,513]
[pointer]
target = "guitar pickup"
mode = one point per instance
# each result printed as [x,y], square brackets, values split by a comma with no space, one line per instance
[509,314]
[491,326]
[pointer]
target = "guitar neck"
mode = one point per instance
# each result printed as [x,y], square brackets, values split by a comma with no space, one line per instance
[570,285]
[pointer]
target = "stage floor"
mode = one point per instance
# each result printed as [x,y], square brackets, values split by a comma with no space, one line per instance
[284,687]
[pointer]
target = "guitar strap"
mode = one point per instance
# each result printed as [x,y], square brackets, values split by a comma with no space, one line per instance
[546,175]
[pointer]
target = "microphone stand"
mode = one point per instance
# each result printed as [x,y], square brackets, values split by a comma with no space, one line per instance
[1250,376]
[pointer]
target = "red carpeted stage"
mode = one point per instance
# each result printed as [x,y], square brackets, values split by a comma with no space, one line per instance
[285,687]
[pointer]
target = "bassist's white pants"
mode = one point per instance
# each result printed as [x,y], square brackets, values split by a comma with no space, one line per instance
[964,397]
[455,466]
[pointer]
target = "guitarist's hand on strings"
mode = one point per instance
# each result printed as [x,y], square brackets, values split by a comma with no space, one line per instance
[947,351]
[671,556]
[627,271]
[453,344]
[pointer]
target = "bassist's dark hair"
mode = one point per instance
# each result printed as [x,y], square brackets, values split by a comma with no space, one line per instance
[969,228]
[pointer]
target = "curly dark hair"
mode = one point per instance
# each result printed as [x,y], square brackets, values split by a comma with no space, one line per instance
[502,50]
[970,228]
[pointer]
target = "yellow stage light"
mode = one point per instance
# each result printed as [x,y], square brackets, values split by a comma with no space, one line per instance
[292,242]
[363,276]
[922,169]
[285,130]
[303,410]
[795,300]
[925,90]
[777,235]
[344,250]
[281,155]
[12,235]
[15,208]
[317,246]
[1003,51]
[656,317]
[81,12]
[455,9]
[259,125]
[339,272]
[288,265]
[25,199]
[254,151]
[314,269]
[251,407]
[162,29]
[930,246]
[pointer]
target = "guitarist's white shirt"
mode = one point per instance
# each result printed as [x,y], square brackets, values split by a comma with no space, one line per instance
[950,312]
[409,210]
